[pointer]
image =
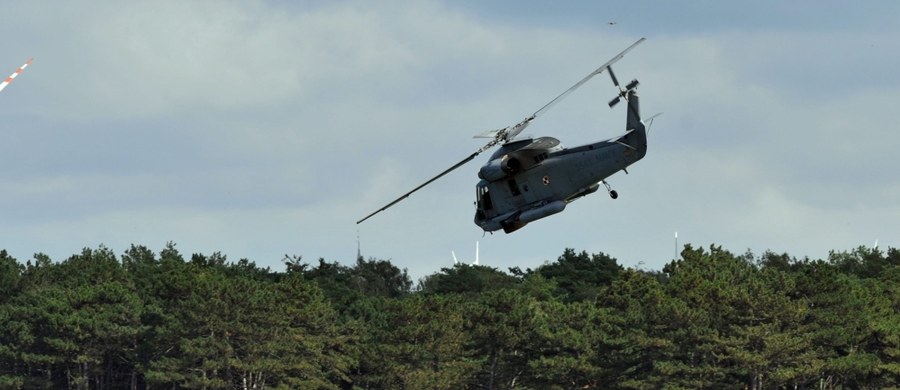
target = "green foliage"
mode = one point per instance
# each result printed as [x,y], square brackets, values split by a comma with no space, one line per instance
[580,276]
[464,278]
[711,319]
[502,332]
[380,278]
[344,286]
[10,274]
[865,262]
[419,343]
[570,346]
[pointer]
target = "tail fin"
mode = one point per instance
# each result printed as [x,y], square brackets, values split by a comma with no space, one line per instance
[633,120]
[637,137]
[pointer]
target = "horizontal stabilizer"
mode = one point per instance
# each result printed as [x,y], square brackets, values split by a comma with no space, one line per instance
[650,119]
[617,139]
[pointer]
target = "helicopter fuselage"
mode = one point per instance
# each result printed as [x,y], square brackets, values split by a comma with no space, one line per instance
[526,180]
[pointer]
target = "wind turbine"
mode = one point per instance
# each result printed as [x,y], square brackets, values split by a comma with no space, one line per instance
[15,74]
[456,261]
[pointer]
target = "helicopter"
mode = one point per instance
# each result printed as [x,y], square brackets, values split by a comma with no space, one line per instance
[15,74]
[531,178]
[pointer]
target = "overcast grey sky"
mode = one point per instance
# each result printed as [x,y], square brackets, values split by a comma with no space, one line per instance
[265,128]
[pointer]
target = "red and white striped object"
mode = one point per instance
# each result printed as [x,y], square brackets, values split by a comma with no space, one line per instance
[16,73]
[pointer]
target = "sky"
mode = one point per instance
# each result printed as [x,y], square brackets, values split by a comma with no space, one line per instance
[261,129]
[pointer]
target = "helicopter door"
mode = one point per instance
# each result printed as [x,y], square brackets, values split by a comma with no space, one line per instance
[514,188]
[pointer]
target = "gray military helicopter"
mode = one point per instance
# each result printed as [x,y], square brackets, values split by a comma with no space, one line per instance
[532,178]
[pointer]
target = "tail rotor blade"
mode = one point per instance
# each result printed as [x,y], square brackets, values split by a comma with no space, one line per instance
[615,101]
[599,70]
[507,134]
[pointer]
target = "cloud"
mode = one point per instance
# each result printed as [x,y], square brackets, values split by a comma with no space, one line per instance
[259,128]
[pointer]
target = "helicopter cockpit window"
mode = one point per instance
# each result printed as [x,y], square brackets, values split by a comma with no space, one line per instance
[484,199]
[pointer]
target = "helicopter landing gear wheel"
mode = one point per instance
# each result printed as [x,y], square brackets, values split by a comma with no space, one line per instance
[612,193]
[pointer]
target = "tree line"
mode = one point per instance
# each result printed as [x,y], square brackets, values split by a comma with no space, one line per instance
[711,319]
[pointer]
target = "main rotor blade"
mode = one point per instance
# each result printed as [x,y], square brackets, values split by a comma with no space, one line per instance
[404,196]
[508,133]
[588,77]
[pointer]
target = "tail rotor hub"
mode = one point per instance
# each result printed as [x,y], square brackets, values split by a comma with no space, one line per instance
[623,93]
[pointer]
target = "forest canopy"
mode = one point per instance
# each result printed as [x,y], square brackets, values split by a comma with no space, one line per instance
[710,319]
